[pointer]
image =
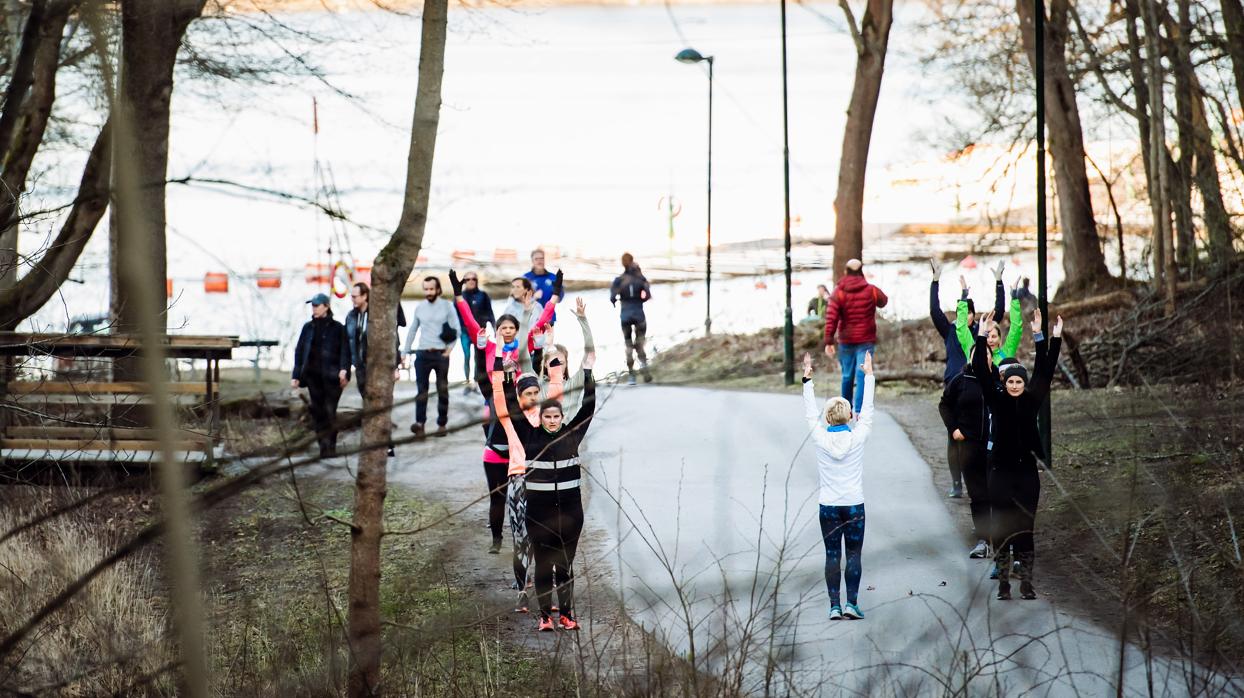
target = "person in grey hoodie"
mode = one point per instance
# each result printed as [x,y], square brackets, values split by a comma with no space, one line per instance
[633,290]
[435,320]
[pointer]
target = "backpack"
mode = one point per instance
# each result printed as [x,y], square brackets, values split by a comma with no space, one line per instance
[630,287]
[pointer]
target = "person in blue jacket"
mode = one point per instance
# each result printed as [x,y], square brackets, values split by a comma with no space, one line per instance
[322,366]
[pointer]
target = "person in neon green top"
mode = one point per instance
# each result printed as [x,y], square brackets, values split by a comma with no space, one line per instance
[999,348]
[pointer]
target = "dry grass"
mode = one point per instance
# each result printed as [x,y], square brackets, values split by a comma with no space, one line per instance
[109,639]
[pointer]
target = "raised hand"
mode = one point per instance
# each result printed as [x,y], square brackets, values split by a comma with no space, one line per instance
[997,272]
[481,339]
[1015,287]
[963,283]
[807,365]
[580,307]
[456,283]
[937,271]
[986,324]
[1036,321]
[1057,329]
[868,363]
[558,284]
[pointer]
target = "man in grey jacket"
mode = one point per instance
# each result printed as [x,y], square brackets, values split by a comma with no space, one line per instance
[435,321]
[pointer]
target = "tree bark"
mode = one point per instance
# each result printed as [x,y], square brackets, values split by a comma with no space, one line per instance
[390,270]
[1140,90]
[872,38]
[1084,263]
[1159,191]
[1181,60]
[27,106]
[151,34]
[1233,22]
[39,284]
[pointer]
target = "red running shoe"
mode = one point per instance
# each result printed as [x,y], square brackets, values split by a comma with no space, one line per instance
[546,624]
[567,621]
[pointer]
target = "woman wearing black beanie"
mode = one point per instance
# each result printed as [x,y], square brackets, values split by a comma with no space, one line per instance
[1014,484]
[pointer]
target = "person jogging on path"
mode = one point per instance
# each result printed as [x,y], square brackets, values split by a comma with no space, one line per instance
[1014,482]
[436,322]
[840,464]
[480,304]
[852,316]
[966,417]
[554,502]
[322,366]
[356,337]
[633,290]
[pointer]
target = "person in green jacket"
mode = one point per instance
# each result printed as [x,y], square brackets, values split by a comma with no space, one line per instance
[999,348]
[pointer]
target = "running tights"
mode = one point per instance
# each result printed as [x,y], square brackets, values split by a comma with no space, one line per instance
[841,524]
[554,521]
[498,482]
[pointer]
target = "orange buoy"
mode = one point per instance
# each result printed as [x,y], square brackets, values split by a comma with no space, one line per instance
[215,282]
[904,272]
[168,288]
[362,274]
[319,273]
[969,262]
[1015,262]
[503,254]
[760,285]
[421,261]
[463,255]
[268,277]
[796,282]
[688,293]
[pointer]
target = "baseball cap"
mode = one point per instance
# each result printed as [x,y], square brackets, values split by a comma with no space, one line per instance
[319,299]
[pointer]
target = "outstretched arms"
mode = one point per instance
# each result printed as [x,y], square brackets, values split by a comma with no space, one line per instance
[810,412]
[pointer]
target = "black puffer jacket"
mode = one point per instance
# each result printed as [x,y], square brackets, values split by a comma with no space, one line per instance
[1014,419]
[963,407]
[332,350]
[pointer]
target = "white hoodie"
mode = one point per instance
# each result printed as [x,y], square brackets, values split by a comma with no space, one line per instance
[840,454]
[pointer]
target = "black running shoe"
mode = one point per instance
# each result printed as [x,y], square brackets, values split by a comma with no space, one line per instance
[1004,592]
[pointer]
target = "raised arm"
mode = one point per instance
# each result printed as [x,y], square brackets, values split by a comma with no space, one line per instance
[864,423]
[1015,333]
[980,360]
[963,331]
[469,325]
[587,409]
[1047,360]
[504,407]
[938,317]
[810,412]
[999,290]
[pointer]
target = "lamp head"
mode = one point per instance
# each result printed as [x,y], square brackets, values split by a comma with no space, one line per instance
[689,55]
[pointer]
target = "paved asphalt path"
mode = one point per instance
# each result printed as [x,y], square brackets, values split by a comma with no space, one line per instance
[709,501]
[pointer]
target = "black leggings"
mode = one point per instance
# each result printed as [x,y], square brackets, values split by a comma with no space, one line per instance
[970,460]
[495,474]
[1014,492]
[634,335]
[554,521]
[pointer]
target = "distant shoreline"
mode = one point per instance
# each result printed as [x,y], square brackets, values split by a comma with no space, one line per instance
[333,6]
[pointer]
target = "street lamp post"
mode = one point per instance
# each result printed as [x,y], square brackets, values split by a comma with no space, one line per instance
[1042,300]
[690,55]
[788,330]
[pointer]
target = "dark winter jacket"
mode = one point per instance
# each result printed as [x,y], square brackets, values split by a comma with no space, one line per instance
[332,350]
[481,308]
[356,337]
[633,289]
[553,458]
[1014,419]
[963,407]
[956,357]
[852,312]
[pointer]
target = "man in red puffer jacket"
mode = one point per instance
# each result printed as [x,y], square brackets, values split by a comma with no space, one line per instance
[852,316]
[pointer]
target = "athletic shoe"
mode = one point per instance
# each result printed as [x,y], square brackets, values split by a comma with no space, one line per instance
[546,624]
[392,453]
[1026,592]
[520,606]
[980,551]
[852,612]
[956,492]
[993,574]
[496,546]
[630,380]
[417,430]
[567,621]
[835,613]
[441,431]
[1004,592]
[647,375]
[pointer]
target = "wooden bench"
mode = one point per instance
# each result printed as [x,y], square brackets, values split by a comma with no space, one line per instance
[54,440]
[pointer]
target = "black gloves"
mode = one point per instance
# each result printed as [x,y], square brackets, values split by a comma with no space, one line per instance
[455,282]
[557,284]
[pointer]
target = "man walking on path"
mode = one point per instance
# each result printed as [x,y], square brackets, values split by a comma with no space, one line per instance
[322,366]
[356,338]
[633,290]
[852,318]
[541,279]
[436,322]
[480,304]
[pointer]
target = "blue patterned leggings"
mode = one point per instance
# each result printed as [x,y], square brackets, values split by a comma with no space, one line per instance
[837,524]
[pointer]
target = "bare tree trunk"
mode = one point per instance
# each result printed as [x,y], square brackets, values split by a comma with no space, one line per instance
[872,39]
[1233,21]
[390,270]
[1140,91]
[1159,195]
[1084,263]
[27,106]
[1217,219]
[151,34]
[1181,59]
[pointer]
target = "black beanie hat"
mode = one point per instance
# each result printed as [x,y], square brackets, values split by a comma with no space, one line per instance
[527,382]
[1012,367]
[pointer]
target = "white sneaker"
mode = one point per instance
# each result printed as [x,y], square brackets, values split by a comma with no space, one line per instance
[835,613]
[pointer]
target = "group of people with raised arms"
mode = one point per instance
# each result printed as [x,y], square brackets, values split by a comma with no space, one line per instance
[989,406]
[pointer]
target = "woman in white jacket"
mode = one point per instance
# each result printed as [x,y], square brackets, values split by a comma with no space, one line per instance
[840,463]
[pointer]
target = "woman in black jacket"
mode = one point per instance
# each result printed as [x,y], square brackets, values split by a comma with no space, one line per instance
[322,366]
[1014,483]
[966,418]
[554,502]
